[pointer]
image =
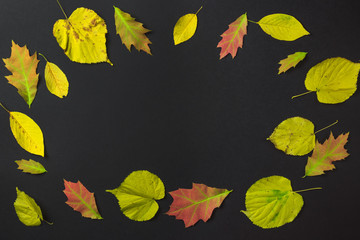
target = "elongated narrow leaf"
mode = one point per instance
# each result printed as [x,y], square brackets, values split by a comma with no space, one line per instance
[81,200]
[191,205]
[131,32]
[291,61]
[232,39]
[28,212]
[23,68]
[30,166]
[137,195]
[324,154]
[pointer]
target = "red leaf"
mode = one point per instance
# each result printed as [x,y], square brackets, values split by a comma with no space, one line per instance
[81,200]
[232,38]
[191,205]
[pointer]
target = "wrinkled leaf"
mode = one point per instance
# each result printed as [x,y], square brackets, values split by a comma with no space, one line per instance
[137,195]
[334,80]
[82,36]
[185,27]
[81,200]
[23,68]
[232,39]
[324,154]
[191,205]
[28,212]
[294,136]
[291,61]
[30,166]
[131,32]
[271,202]
[282,27]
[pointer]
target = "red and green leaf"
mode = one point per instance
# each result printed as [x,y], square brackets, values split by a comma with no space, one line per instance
[232,39]
[291,61]
[30,166]
[191,205]
[81,200]
[324,154]
[23,68]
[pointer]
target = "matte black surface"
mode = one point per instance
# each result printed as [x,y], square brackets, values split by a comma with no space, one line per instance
[181,114]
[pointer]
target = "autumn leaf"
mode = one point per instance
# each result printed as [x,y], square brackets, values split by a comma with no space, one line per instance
[185,27]
[291,61]
[324,154]
[28,212]
[30,166]
[131,32]
[26,132]
[334,80]
[271,202]
[82,36]
[23,68]
[81,200]
[232,39]
[137,195]
[282,27]
[191,205]
[56,80]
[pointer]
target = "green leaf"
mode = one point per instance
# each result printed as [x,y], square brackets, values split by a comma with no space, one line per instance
[137,195]
[30,166]
[28,212]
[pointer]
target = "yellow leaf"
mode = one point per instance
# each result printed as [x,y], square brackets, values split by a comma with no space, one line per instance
[82,36]
[137,195]
[185,27]
[28,212]
[294,136]
[282,27]
[56,80]
[334,80]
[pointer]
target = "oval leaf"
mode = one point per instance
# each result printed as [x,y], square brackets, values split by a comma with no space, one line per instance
[82,36]
[294,136]
[30,166]
[271,202]
[56,80]
[185,27]
[28,212]
[334,80]
[282,27]
[137,195]
[27,133]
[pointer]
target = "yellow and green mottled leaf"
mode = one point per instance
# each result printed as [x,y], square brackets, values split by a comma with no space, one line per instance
[291,61]
[28,212]
[30,166]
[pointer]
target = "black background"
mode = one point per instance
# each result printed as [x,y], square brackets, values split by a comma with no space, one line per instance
[182,114]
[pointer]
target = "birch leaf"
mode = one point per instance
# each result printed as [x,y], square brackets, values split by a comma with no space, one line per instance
[81,200]
[324,154]
[232,39]
[191,205]
[82,36]
[131,32]
[28,212]
[334,80]
[271,202]
[291,61]
[185,27]
[30,166]
[23,68]
[26,132]
[137,195]
[282,27]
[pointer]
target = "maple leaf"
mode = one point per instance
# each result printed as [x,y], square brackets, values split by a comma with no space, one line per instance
[291,61]
[81,200]
[23,68]
[232,39]
[324,154]
[131,32]
[191,205]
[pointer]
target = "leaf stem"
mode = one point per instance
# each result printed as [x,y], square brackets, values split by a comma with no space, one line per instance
[50,223]
[43,57]
[327,127]
[4,107]
[199,10]
[62,9]
[309,189]
[299,95]
[252,21]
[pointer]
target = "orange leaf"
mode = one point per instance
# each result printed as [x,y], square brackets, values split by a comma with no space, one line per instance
[291,61]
